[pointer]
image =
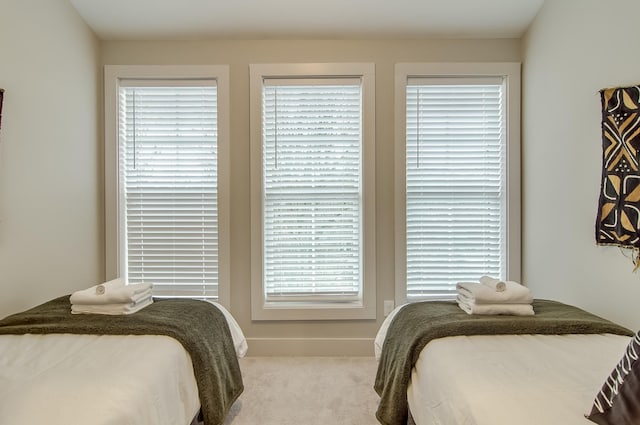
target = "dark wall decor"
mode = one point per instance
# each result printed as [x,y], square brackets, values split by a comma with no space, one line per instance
[618,220]
[1,99]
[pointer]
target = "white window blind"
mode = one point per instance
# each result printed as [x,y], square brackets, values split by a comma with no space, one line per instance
[312,190]
[455,184]
[168,186]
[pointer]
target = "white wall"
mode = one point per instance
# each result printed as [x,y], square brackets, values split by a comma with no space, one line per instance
[574,49]
[50,154]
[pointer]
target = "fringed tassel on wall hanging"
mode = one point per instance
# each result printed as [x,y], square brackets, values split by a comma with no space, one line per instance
[618,220]
[634,255]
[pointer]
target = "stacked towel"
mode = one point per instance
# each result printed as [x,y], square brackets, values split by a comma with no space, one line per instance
[493,296]
[114,297]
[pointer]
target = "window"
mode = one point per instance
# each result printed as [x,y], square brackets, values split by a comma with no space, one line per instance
[168,153]
[458,176]
[312,191]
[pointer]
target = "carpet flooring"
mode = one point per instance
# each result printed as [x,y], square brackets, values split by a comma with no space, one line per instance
[306,391]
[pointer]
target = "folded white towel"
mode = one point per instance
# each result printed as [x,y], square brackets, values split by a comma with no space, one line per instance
[493,283]
[514,293]
[112,309]
[496,309]
[112,292]
[116,299]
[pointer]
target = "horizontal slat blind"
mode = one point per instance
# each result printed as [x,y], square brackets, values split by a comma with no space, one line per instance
[312,198]
[168,166]
[455,191]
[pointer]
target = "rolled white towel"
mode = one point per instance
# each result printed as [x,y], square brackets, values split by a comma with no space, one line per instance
[496,309]
[514,293]
[496,284]
[111,284]
[114,292]
[112,309]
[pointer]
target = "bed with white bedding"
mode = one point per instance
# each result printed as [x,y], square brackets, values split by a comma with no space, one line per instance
[524,378]
[511,379]
[106,379]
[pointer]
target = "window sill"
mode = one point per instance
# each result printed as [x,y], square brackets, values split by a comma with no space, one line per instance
[312,311]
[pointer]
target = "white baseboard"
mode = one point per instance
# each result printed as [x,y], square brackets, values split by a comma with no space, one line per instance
[321,347]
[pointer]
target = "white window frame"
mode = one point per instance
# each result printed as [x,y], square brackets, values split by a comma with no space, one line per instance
[510,71]
[366,307]
[113,74]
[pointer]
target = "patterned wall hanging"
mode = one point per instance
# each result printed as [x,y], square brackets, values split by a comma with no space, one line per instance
[618,221]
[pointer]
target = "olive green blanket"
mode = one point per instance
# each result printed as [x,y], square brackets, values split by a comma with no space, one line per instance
[198,325]
[418,323]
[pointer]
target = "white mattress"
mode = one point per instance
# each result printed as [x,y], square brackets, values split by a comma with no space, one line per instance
[511,379]
[62,379]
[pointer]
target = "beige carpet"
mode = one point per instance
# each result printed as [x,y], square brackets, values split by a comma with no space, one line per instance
[306,391]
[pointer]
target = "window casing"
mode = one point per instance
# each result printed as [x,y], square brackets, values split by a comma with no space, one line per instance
[457,176]
[312,192]
[166,179]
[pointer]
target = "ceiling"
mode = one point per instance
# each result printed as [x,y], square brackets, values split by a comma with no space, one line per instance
[325,19]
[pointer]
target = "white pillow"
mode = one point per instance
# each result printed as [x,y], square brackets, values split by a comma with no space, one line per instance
[382,332]
[239,341]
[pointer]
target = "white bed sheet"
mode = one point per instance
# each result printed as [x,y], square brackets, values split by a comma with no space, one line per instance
[96,379]
[63,379]
[511,379]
